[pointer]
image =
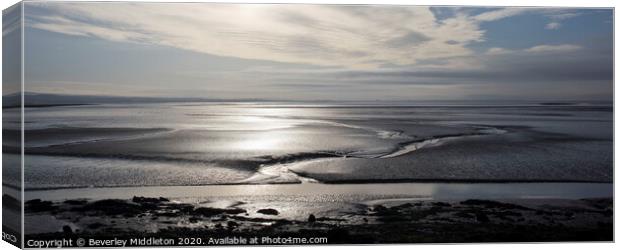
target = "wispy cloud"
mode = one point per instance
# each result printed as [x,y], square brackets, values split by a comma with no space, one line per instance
[554,48]
[11,19]
[498,51]
[543,48]
[553,26]
[504,73]
[500,14]
[346,36]
[557,17]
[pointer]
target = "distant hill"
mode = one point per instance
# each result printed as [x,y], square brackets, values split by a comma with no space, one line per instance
[32,99]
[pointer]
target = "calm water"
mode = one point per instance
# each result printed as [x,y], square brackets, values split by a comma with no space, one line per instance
[181,144]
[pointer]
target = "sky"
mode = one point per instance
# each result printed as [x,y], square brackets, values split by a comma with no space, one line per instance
[318,52]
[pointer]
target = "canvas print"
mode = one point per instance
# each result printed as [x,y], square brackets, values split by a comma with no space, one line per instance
[137,124]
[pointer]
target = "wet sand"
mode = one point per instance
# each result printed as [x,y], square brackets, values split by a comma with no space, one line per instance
[261,143]
[354,174]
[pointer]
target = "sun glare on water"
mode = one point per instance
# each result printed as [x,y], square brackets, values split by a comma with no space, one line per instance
[266,130]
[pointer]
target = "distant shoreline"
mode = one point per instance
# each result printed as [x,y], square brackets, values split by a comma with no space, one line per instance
[46,105]
[335,183]
[34,99]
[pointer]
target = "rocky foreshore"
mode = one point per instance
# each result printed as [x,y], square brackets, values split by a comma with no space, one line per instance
[406,222]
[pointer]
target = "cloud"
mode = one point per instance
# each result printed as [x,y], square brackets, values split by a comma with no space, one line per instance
[499,14]
[496,66]
[317,52]
[344,36]
[557,16]
[554,48]
[498,51]
[553,26]
[11,20]
[563,15]
[543,48]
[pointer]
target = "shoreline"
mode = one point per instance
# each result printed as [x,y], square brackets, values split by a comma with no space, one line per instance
[335,183]
[430,221]
[433,190]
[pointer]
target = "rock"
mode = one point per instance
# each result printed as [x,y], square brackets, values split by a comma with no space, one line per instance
[183,208]
[329,219]
[441,204]
[234,211]
[76,202]
[465,215]
[339,235]
[37,205]
[311,218]
[268,211]
[492,204]
[95,225]
[403,206]
[67,229]
[232,224]
[168,214]
[140,199]
[379,209]
[209,211]
[481,217]
[114,207]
